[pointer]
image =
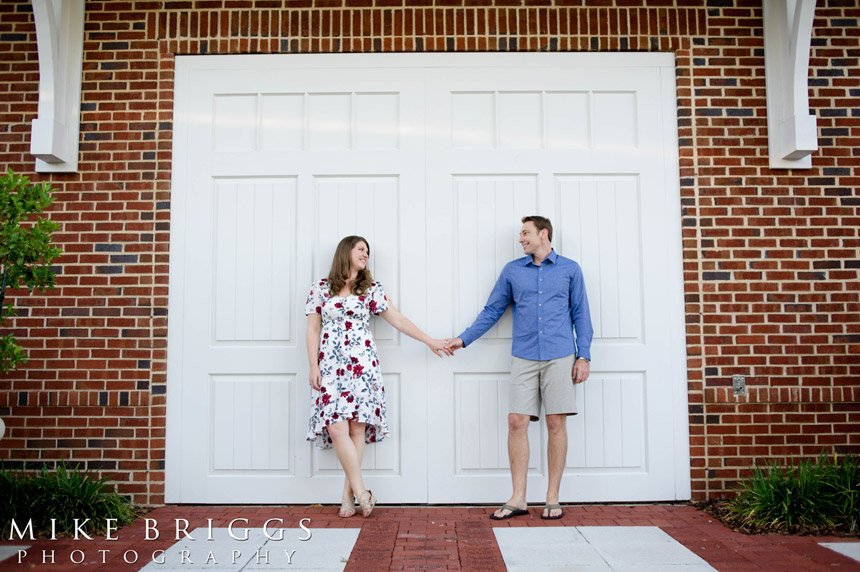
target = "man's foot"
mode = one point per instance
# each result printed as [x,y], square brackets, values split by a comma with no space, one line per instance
[508,511]
[552,512]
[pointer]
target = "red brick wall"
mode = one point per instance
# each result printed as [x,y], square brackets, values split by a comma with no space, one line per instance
[770,257]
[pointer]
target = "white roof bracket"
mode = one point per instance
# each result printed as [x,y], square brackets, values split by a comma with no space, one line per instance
[60,39]
[792,131]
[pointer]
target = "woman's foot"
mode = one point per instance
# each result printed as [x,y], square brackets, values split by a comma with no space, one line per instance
[347,508]
[366,501]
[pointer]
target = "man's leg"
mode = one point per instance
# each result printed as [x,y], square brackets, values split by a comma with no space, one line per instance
[556,426]
[524,405]
[559,398]
[518,456]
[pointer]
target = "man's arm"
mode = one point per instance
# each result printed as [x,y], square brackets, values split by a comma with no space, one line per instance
[580,315]
[499,300]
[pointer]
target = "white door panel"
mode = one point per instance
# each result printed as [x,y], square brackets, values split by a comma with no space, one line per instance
[279,168]
[600,186]
[433,160]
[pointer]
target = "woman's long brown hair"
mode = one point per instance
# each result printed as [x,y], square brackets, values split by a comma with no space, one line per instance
[339,273]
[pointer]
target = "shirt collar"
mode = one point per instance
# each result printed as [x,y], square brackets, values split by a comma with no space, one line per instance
[551,257]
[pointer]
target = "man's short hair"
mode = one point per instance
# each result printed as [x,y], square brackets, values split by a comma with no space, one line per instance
[540,222]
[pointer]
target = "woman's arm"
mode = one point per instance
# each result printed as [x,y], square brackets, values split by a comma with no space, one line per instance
[313,343]
[403,324]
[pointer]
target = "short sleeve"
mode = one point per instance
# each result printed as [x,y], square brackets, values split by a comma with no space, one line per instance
[378,302]
[315,299]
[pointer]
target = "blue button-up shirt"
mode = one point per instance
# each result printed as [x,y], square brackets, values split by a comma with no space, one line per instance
[549,306]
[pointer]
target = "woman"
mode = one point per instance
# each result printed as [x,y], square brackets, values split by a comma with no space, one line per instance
[349,409]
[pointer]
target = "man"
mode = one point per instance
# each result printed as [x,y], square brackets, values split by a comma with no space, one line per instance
[549,304]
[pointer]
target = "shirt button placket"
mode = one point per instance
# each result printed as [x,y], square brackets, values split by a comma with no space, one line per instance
[540,309]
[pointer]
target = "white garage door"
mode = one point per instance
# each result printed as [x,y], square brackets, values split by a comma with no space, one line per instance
[433,158]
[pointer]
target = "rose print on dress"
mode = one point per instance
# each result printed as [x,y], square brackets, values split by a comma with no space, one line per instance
[349,364]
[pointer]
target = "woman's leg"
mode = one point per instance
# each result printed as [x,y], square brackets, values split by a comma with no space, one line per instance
[356,434]
[348,455]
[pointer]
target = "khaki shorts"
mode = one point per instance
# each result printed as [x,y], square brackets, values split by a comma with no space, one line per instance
[550,382]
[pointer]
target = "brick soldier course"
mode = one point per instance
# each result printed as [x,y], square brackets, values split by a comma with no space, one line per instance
[770,256]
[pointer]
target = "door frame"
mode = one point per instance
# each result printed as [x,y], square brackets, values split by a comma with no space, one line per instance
[183,114]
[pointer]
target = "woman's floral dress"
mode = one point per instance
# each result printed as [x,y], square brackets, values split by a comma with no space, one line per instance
[349,363]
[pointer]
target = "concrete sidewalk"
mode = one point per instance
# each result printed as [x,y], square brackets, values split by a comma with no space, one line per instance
[676,537]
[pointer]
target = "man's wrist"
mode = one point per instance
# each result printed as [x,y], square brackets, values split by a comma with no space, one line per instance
[587,360]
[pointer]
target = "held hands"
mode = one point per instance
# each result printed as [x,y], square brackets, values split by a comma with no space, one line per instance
[439,347]
[445,347]
[454,344]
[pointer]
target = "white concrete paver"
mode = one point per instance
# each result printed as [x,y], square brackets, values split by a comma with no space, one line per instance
[595,548]
[222,552]
[633,546]
[530,548]
[327,549]
[9,551]
[849,549]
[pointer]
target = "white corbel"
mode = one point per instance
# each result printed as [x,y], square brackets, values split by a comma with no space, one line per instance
[791,130]
[60,39]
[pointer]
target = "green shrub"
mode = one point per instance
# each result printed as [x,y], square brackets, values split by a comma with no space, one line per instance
[26,250]
[15,497]
[64,494]
[846,487]
[818,496]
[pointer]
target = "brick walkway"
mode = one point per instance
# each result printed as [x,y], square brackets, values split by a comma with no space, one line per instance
[448,538]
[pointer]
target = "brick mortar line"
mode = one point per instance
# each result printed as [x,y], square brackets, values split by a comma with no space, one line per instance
[784,395]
